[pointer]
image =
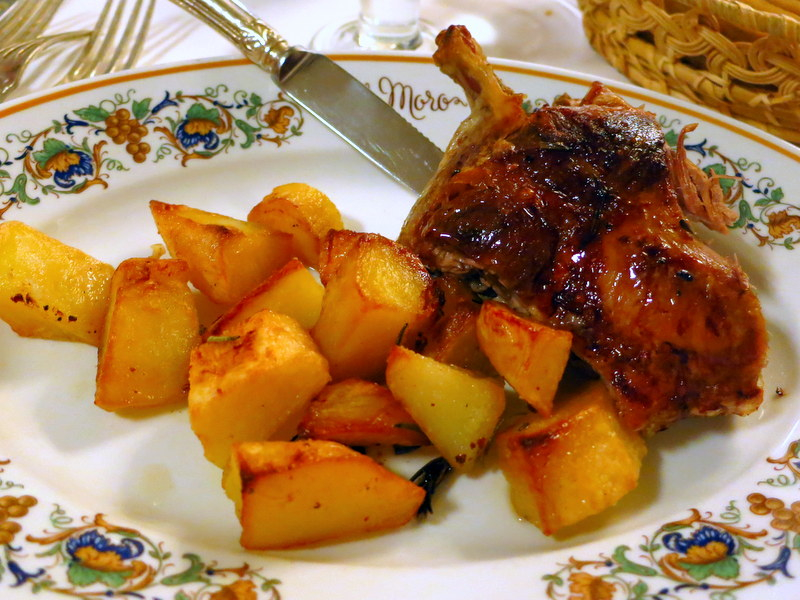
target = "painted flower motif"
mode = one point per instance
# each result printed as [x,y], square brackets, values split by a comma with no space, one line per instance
[279,119]
[238,590]
[95,558]
[199,127]
[583,586]
[64,161]
[708,551]
[781,224]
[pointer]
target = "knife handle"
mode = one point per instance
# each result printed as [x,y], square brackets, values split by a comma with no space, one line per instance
[258,41]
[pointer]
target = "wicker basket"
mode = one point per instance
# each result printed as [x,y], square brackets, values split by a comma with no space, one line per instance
[739,57]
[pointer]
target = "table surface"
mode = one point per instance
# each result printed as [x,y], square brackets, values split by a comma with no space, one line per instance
[539,31]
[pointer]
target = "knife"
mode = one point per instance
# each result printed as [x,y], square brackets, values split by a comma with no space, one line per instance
[328,92]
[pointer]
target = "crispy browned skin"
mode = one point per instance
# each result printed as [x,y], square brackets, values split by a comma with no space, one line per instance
[571,214]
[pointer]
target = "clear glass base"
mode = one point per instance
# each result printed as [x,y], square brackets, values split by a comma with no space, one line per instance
[351,36]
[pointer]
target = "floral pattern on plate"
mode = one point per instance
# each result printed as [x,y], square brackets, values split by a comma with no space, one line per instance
[70,156]
[768,217]
[720,554]
[88,145]
[92,557]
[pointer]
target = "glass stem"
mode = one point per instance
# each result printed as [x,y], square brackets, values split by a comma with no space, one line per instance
[389,24]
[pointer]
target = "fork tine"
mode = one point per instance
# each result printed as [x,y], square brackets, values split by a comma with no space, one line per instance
[101,38]
[15,58]
[132,41]
[14,19]
[25,19]
[128,45]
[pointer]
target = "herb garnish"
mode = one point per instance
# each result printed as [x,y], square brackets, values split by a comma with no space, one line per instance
[430,477]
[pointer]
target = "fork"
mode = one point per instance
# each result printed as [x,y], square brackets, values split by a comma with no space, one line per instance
[26,19]
[20,26]
[106,37]
[36,14]
[14,59]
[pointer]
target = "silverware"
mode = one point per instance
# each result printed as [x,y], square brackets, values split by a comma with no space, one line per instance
[26,19]
[20,26]
[328,92]
[108,52]
[14,59]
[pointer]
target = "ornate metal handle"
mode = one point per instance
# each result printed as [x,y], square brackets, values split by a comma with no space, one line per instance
[257,40]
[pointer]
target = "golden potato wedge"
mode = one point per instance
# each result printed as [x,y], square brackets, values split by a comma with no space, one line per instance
[335,247]
[452,338]
[51,290]
[301,211]
[530,356]
[454,341]
[355,412]
[227,257]
[293,494]
[457,409]
[570,465]
[151,328]
[253,383]
[291,290]
[380,294]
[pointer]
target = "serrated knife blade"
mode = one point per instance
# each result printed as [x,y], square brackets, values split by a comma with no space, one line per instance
[328,92]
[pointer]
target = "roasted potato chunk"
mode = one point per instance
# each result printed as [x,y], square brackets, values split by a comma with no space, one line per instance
[292,290]
[150,330]
[51,290]
[457,409]
[336,246]
[254,383]
[355,412]
[292,494]
[227,257]
[301,211]
[570,465]
[530,356]
[379,294]
[454,340]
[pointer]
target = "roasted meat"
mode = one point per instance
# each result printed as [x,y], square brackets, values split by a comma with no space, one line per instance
[576,214]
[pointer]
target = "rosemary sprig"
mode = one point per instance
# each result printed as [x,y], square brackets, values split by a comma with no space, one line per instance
[222,338]
[429,477]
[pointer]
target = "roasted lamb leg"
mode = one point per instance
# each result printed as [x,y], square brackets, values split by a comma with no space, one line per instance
[576,214]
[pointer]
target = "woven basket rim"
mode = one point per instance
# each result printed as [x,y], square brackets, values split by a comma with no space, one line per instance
[748,17]
[724,83]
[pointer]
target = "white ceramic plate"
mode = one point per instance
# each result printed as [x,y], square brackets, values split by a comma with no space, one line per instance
[127,507]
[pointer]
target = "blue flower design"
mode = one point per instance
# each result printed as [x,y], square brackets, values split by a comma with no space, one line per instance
[96,559]
[704,537]
[126,550]
[708,551]
[64,161]
[73,163]
[199,127]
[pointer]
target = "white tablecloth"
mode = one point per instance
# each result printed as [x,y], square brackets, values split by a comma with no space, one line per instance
[541,31]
